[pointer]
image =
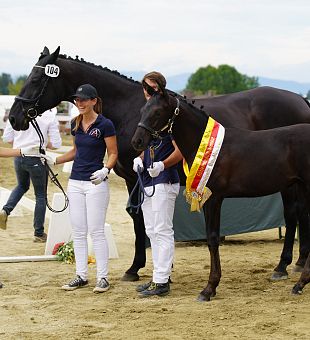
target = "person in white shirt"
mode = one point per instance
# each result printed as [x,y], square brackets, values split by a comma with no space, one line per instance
[31,168]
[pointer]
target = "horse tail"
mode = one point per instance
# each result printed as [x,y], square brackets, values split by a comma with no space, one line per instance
[306,100]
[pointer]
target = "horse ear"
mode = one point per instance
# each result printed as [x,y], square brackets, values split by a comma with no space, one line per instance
[45,52]
[55,54]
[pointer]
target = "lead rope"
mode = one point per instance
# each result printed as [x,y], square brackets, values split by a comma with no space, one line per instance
[139,185]
[50,172]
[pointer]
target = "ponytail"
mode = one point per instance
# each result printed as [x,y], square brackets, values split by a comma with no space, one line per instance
[98,106]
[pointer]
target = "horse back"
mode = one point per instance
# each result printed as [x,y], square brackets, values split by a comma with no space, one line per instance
[258,163]
[257,109]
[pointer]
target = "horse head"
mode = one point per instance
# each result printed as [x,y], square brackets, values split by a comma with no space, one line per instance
[156,116]
[39,85]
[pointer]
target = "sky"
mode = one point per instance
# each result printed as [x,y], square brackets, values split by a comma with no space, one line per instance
[269,38]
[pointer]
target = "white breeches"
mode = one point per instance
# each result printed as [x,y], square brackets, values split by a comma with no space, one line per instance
[158,215]
[88,205]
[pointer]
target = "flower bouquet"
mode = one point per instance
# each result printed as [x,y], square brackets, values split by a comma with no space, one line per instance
[64,252]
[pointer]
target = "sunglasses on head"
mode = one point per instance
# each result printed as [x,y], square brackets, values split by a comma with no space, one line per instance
[149,89]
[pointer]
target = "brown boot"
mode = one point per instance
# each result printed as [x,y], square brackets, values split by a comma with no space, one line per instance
[3,219]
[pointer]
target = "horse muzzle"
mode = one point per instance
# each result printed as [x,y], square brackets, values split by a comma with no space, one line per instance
[140,140]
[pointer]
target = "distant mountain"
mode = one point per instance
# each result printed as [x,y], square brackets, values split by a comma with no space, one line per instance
[178,82]
[294,86]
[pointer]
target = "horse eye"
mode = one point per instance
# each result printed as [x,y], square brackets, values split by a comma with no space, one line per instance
[35,79]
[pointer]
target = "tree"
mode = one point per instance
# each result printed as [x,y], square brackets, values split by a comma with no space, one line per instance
[5,80]
[221,80]
[14,88]
[308,94]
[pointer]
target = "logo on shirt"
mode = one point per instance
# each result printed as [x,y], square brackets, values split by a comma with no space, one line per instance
[95,133]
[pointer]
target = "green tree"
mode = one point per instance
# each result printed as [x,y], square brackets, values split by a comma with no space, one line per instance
[5,80]
[221,80]
[14,88]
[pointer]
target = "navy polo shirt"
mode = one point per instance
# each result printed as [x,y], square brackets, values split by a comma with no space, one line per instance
[90,147]
[162,149]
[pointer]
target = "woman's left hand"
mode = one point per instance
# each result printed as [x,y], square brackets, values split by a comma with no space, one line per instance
[157,168]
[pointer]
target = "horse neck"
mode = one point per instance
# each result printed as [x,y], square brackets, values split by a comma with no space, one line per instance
[188,130]
[107,82]
[122,97]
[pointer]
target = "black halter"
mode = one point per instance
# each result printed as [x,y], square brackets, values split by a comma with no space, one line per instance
[156,133]
[32,113]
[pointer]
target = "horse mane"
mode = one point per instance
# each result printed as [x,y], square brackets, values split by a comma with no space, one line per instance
[190,104]
[118,74]
[106,69]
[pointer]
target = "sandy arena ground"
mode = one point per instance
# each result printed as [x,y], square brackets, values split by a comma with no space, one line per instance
[247,305]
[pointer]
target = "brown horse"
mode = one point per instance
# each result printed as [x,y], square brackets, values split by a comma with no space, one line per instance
[250,163]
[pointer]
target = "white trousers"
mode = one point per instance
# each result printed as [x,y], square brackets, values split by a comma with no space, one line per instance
[88,205]
[158,215]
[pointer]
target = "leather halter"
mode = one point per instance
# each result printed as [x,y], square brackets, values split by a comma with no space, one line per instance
[32,113]
[156,133]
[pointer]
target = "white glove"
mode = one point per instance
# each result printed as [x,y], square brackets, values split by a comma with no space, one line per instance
[137,162]
[100,175]
[158,167]
[31,151]
[49,160]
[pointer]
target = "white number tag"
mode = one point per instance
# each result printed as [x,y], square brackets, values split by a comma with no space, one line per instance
[52,70]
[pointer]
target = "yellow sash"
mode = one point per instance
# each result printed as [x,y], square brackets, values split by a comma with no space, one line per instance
[196,196]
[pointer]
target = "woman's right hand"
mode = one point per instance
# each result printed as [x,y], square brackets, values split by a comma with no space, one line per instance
[137,162]
[49,160]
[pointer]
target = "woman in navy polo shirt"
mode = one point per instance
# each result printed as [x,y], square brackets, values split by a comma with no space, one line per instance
[88,189]
[159,164]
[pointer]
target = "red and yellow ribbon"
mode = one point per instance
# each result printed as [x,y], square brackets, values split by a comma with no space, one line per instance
[196,191]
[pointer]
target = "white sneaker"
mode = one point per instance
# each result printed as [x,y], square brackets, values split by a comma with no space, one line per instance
[101,286]
[3,219]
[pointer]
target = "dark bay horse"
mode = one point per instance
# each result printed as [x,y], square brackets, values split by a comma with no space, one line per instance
[304,278]
[249,164]
[260,108]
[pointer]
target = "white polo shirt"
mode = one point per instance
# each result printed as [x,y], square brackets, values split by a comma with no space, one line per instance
[48,124]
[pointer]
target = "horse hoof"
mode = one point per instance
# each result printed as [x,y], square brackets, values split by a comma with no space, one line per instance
[297,290]
[203,298]
[131,277]
[278,276]
[1,285]
[297,269]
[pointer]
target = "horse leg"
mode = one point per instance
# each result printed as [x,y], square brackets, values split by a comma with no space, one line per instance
[289,199]
[212,210]
[305,275]
[140,254]
[304,278]
[304,236]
